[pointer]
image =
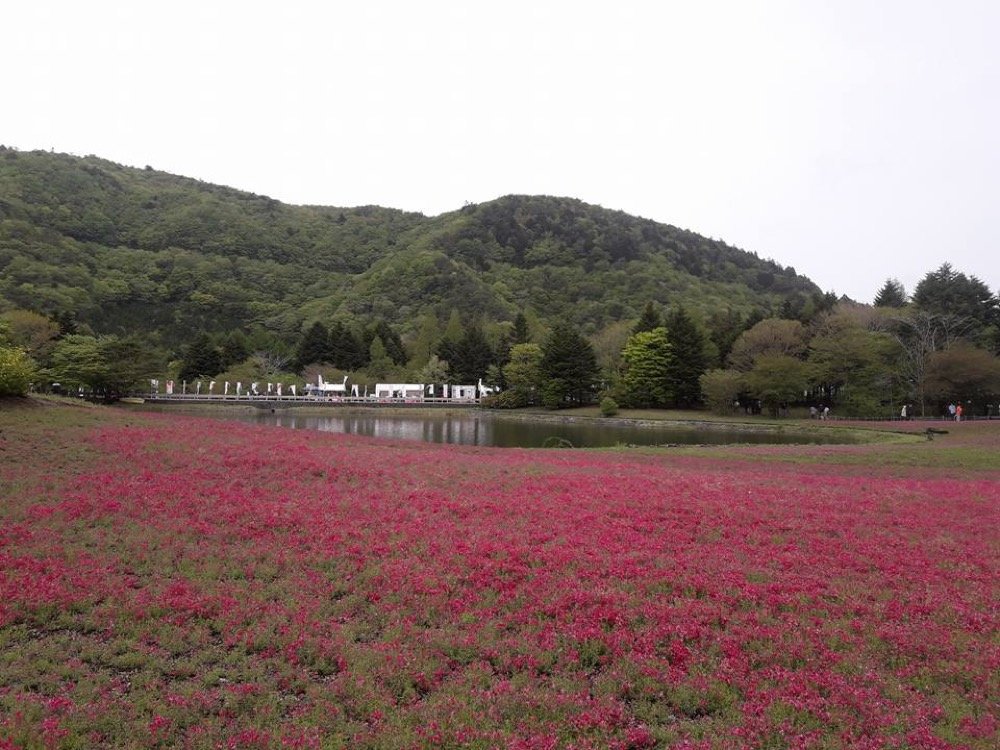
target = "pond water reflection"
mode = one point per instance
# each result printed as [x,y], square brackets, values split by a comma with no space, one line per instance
[490,429]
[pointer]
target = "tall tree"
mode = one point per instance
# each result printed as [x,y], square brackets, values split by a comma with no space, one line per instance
[203,359]
[379,362]
[649,319]
[314,346]
[524,372]
[919,335]
[235,348]
[469,358]
[770,336]
[346,350]
[569,366]
[424,343]
[647,359]
[892,294]
[948,292]
[725,326]
[963,373]
[390,340]
[722,389]
[521,333]
[34,333]
[853,365]
[777,379]
[688,361]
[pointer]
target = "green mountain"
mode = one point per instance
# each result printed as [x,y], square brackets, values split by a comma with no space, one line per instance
[138,250]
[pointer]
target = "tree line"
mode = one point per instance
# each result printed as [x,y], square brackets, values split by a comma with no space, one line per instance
[937,346]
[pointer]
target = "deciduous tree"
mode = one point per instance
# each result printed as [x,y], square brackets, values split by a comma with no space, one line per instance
[646,360]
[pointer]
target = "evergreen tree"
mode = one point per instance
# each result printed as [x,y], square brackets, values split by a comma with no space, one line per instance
[469,358]
[649,320]
[346,351]
[390,340]
[892,294]
[235,349]
[569,366]
[314,347]
[948,292]
[688,363]
[521,334]
[725,328]
[203,359]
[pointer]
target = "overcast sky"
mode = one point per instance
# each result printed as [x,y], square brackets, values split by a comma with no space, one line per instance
[853,140]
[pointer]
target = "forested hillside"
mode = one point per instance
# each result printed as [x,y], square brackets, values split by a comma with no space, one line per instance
[126,250]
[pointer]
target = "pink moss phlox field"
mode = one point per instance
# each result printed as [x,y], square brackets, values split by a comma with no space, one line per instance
[215,585]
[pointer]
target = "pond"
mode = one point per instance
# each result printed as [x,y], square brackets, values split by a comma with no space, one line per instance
[490,429]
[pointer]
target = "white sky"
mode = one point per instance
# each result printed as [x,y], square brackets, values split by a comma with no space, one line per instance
[852,139]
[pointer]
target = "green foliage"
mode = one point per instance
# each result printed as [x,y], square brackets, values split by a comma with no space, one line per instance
[647,358]
[852,364]
[314,346]
[892,294]
[468,358]
[609,407]
[963,373]
[521,333]
[777,380]
[722,389]
[390,340]
[523,372]
[948,292]
[140,251]
[35,333]
[768,337]
[649,320]
[569,367]
[509,399]
[17,371]
[688,360]
[108,366]
[434,371]
[345,350]
[379,363]
[202,360]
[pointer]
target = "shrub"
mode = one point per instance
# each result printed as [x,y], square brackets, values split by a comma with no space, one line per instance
[509,399]
[609,407]
[17,370]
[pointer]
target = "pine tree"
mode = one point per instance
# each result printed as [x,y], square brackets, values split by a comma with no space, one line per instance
[469,357]
[892,294]
[346,351]
[521,334]
[569,366]
[314,346]
[649,319]
[235,349]
[688,363]
[202,360]
[390,340]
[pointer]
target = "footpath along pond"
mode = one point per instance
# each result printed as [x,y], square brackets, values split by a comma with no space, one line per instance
[537,431]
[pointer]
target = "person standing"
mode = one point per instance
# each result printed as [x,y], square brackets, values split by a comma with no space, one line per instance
[958,413]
